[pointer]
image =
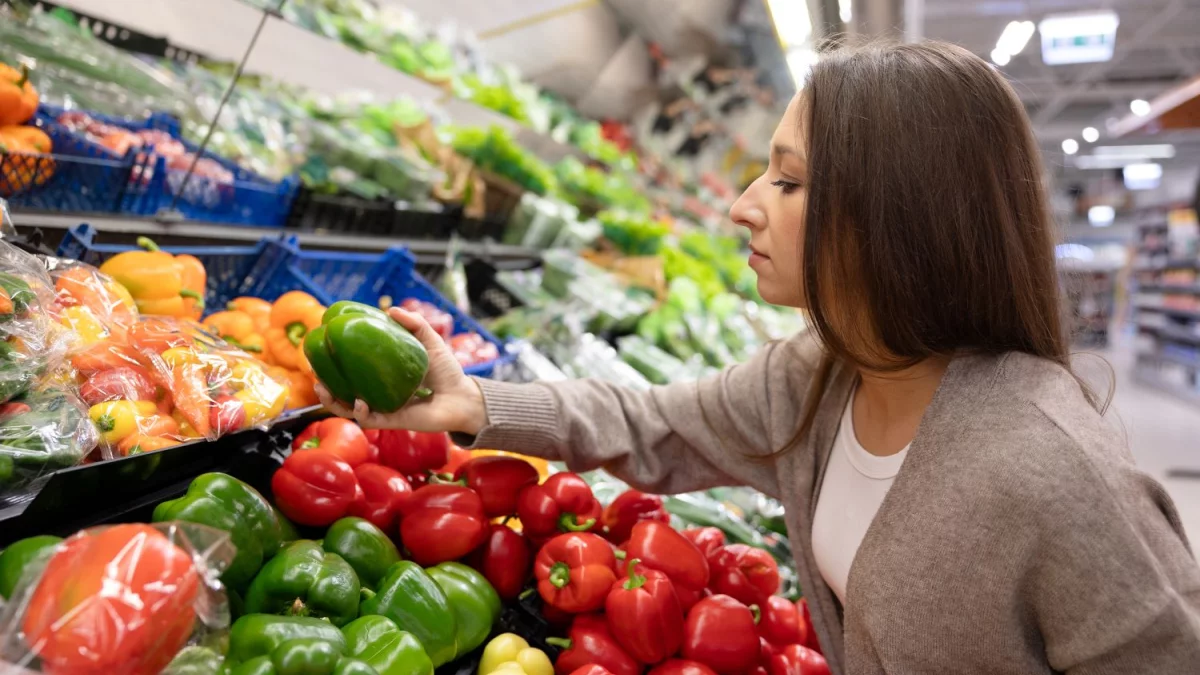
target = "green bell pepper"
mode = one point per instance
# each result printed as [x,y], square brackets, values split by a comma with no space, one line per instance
[19,291]
[359,352]
[259,665]
[18,556]
[287,530]
[353,667]
[413,600]
[306,656]
[195,660]
[380,643]
[228,504]
[257,635]
[15,372]
[476,604]
[365,547]
[303,580]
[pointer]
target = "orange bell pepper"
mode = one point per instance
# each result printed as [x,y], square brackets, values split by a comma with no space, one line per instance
[157,335]
[300,387]
[82,285]
[258,309]
[18,98]
[24,157]
[104,355]
[139,443]
[292,316]
[160,283]
[236,328]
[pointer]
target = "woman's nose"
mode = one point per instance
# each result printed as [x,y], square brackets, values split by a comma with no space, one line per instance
[746,212]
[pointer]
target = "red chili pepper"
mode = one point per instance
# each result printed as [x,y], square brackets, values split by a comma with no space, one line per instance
[627,509]
[681,667]
[498,480]
[575,571]
[720,633]
[662,548]
[564,503]
[798,660]
[707,539]
[747,574]
[505,560]
[589,642]
[782,623]
[591,669]
[314,488]
[441,523]
[410,453]
[384,490]
[644,616]
[338,436]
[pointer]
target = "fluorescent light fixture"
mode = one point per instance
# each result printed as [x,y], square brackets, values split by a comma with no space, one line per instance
[1091,134]
[1101,216]
[1015,36]
[1088,162]
[1142,176]
[800,62]
[792,23]
[1070,146]
[1000,58]
[1139,107]
[1075,251]
[1163,151]
[845,10]
[1085,37]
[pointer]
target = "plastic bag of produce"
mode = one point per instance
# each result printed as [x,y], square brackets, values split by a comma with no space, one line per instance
[90,304]
[117,599]
[32,343]
[40,432]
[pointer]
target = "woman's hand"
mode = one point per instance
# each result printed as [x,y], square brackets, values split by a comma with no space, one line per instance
[456,404]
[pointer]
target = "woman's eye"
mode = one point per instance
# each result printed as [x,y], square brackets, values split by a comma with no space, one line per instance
[785,187]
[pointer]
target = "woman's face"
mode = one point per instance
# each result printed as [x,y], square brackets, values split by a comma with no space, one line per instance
[773,209]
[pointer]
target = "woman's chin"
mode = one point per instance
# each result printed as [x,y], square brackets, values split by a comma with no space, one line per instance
[774,294]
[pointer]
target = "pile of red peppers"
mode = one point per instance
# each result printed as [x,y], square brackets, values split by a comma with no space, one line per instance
[629,592]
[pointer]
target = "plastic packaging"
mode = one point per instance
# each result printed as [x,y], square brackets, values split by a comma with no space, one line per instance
[90,303]
[117,599]
[32,343]
[40,432]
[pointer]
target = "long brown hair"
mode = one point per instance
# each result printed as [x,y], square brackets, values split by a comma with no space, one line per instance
[928,230]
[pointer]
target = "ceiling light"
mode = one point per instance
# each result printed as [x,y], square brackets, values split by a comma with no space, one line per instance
[845,10]
[1101,216]
[1091,134]
[1142,176]
[800,62]
[1089,162]
[1015,36]
[1085,37]
[1070,146]
[1140,107]
[1000,58]
[1163,151]
[792,23]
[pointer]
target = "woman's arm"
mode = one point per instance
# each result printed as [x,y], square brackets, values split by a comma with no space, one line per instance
[675,438]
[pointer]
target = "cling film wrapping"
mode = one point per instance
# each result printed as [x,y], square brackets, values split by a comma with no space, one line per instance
[117,599]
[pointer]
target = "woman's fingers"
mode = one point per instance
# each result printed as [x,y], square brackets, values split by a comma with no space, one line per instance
[419,327]
[333,405]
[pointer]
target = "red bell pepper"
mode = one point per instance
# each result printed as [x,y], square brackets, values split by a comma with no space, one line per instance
[564,503]
[589,642]
[498,479]
[384,490]
[681,667]
[662,548]
[707,539]
[339,436]
[575,572]
[766,651]
[798,660]
[315,488]
[686,597]
[126,383]
[644,616]
[781,622]
[720,633]
[505,560]
[591,669]
[117,600]
[627,509]
[410,453]
[747,574]
[441,522]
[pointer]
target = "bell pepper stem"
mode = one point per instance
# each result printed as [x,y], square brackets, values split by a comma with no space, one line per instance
[635,580]
[757,612]
[560,575]
[188,293]
[526,593]
[24,76]
[423,393]
[567,523]
[365,594]
[106,423]
[298,608]
[446,479]
[561,643]
[148,244]
[295,332]
[619,554]
[311,443]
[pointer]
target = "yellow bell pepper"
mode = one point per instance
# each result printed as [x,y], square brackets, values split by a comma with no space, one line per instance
[84,324]
[116,420]
[542,466]
[181,356]
[510,654]
[263,401]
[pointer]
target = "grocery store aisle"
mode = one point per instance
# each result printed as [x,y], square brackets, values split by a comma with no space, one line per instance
[1163,431]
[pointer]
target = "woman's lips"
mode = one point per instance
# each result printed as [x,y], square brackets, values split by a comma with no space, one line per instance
[757,258]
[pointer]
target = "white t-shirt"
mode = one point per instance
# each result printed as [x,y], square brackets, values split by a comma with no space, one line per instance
[854,486]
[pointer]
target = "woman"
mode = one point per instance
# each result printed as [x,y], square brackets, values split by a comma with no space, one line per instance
[955,500]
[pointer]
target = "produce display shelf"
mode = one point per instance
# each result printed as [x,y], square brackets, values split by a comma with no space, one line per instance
[1193,315]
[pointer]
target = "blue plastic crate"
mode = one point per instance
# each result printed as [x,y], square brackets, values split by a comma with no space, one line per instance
[265,270]
[249,200]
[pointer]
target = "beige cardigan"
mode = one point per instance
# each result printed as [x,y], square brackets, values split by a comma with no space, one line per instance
[1018,537]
